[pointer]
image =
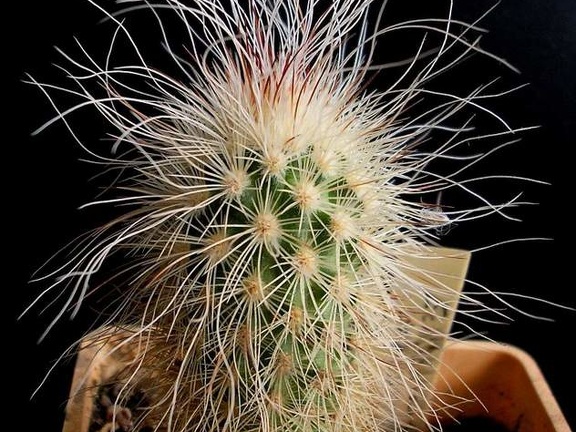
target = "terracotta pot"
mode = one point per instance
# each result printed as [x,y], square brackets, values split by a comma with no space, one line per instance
[478,379]
[497,381]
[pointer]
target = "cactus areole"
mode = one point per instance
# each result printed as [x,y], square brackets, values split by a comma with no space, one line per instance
[274,211]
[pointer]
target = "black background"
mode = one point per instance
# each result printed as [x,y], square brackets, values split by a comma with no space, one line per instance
[44,183]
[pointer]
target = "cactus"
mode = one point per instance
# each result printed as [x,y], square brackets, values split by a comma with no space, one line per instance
[274,208]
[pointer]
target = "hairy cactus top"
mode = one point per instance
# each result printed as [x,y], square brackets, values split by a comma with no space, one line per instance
[273,215]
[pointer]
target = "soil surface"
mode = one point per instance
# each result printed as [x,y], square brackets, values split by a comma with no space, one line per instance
[475,424]
[126,416]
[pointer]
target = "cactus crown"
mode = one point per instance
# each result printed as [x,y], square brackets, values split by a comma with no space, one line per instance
[272,220]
